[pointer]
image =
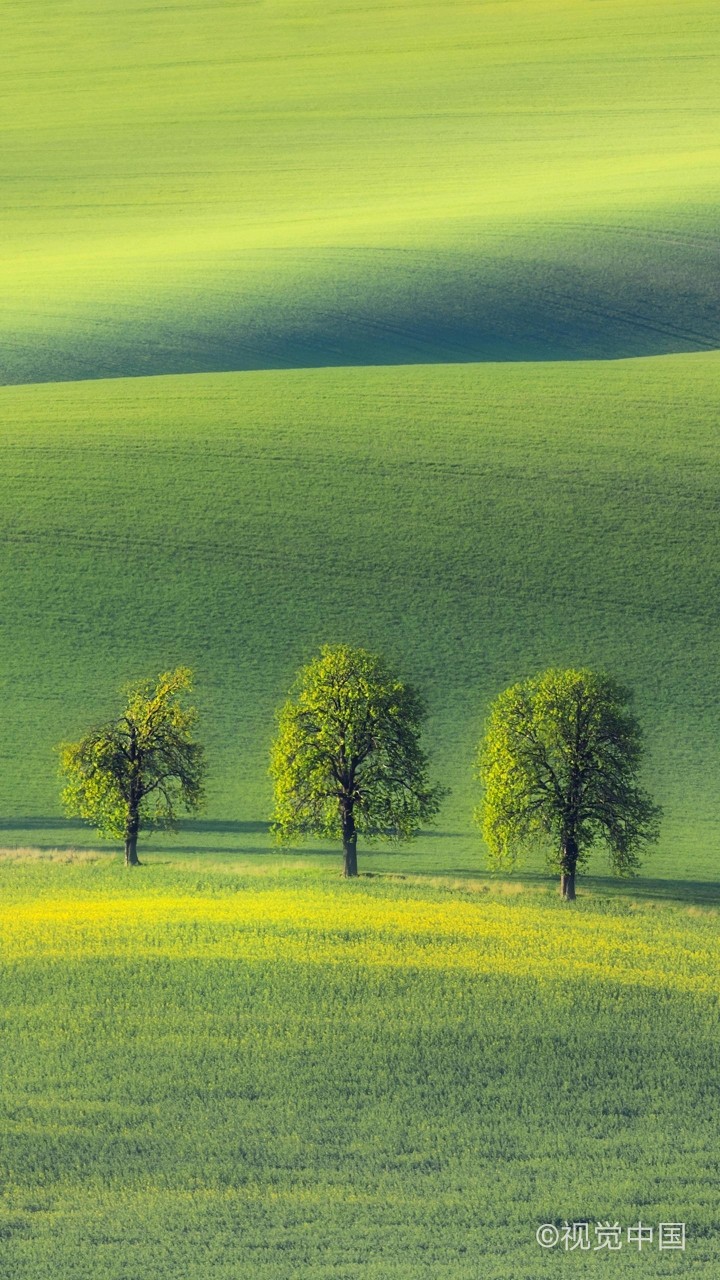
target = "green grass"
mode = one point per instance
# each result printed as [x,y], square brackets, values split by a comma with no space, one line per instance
[224,186]
[222,1073]
[475,523]
[230,1065]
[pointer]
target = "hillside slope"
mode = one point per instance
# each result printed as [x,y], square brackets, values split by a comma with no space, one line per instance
[474,522]
[228,186]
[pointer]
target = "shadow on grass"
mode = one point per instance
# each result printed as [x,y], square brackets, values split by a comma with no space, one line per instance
[42,824]
[403,306]
[696,892]
[75,824]
[691,892]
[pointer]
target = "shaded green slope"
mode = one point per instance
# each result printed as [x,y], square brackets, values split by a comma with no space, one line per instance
[474,522]
[226,186]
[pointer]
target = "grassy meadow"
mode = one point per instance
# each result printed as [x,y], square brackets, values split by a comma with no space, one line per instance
[475,523]
[248,1069]
[192,187]
[306,325]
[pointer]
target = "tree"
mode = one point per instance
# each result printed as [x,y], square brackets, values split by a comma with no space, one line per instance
[559,763]
[347,758]
[138,770]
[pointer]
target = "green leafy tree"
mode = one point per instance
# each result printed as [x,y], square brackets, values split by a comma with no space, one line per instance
[137,771]
[347,758]
[559,764]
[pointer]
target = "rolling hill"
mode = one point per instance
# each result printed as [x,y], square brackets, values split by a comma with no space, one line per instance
[198,187]
[394,324]
[474,522]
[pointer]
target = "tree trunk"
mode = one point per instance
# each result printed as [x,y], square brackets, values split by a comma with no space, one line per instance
[567,885]
[567,868]
[350,857]
[349,837]
[131,839]
[132,821]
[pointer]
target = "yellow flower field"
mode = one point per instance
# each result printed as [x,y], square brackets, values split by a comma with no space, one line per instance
[312,925]
[256,1070]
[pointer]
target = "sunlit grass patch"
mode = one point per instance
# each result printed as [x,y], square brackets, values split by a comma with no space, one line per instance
[66,856]
[322,924]
[275,1073]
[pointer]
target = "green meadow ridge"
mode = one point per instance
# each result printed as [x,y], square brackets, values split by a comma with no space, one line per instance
[474,523]
[198,187]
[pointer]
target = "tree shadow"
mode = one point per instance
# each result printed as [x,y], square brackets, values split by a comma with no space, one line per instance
[42,824]
[222,826]
[689,892]
[219,826]
[694,892]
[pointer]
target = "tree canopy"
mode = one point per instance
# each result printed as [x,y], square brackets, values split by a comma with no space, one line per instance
[138,770]
[559,763]
[347,758]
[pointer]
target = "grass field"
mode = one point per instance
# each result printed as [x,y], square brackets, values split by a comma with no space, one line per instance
[476,523]
[196,187]
[233,1071]
[373,259]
